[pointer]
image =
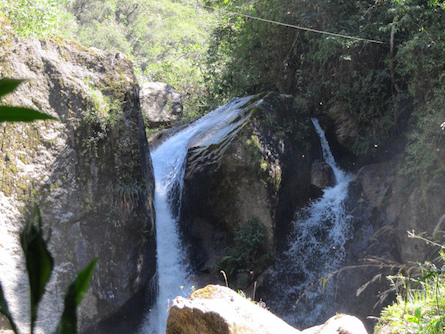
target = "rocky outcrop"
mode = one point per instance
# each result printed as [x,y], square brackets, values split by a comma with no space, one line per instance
[90,173]
[263,173]
[385,205]
[390,205]
[161,104]
[345,124]
[322,175]
[219,310]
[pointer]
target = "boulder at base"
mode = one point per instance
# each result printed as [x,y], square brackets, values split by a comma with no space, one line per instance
[339,324]
[219,310]
[216,310]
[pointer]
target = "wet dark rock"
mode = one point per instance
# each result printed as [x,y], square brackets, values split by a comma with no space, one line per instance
[322,175]
[264,172]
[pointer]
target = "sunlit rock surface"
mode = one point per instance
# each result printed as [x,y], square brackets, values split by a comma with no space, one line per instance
[161,104]
[90,173]
[339,324]
[219,310]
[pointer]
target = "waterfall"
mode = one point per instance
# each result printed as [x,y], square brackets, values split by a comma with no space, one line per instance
[315,249]
[217,127]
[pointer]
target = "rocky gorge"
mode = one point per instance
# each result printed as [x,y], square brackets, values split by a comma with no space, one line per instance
[92,176]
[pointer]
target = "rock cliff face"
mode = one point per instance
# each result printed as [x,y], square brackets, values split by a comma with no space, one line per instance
[264,174]
[90,173]
[385,205]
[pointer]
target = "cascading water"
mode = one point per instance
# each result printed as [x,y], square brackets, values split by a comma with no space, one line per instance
[315,249]
[217,127]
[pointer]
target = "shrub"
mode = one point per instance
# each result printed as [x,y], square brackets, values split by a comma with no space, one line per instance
[420,303]
[248,249]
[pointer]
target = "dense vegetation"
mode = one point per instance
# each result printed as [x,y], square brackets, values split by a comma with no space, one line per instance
[212,51]
[383,85]
[390,77]
[420,306]
[166,40]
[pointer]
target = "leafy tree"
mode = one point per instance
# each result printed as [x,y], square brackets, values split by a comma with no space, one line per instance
[166,39]
[38,17]
[376,82]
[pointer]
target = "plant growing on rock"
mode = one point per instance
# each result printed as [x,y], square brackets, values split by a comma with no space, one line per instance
[420,303]
[247,251]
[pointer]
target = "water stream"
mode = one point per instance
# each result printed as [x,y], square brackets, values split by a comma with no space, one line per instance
[217,127]
[315,250]
[316,245]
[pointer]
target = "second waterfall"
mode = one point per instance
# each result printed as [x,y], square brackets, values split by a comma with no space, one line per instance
[298,291]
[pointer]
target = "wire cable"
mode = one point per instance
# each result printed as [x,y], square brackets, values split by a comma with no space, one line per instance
[300,28]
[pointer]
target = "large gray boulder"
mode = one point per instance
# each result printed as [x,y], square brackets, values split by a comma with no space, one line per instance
[263,172]
[385,205]
[161,104]
[90,173]
[346,127]
[322,175]
[220,310]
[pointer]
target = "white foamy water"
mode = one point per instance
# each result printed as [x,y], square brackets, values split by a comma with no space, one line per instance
[217,127]
[315,249]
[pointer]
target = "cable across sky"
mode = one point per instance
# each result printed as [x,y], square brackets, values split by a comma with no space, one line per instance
[299,27]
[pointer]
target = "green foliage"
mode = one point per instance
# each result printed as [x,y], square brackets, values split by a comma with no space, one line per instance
[102,116]
[420,305]
[263,56]
[17,114]
[424,157]
[73,297]
[166,39]
[375,83]
[31,17]
[39,265]
[247,250]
